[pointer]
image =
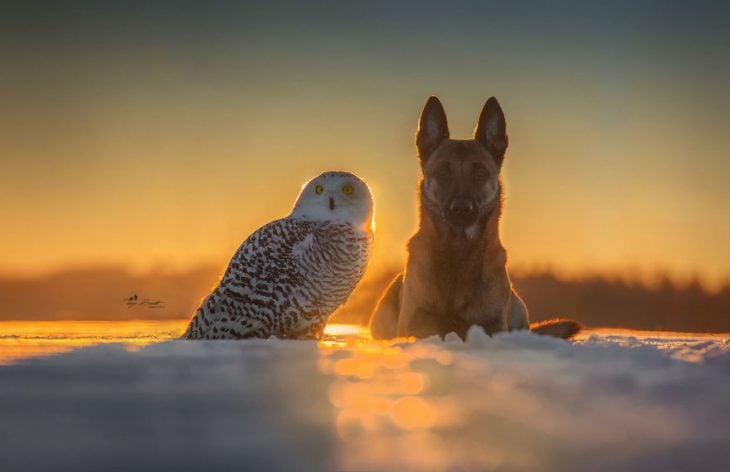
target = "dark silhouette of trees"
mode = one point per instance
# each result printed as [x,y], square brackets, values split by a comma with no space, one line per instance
[595,301]
[102,293]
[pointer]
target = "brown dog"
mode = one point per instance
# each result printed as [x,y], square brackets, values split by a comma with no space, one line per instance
[456,274]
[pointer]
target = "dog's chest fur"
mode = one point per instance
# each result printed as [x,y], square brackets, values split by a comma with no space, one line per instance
[460,277]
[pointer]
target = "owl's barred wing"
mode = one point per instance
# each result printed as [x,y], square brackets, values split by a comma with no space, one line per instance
[225,314]
[284,280]
[262,283]
[265,249]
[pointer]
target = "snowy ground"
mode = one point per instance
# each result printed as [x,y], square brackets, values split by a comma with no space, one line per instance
[610,401]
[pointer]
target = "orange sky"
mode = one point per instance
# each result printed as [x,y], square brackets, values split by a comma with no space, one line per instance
[163,145]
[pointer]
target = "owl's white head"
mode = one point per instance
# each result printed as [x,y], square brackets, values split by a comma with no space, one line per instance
[338,197]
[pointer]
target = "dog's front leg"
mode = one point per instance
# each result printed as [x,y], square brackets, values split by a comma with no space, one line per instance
[424,323]
[490,316]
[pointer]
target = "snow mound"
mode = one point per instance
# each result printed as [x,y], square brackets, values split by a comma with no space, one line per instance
[515,401]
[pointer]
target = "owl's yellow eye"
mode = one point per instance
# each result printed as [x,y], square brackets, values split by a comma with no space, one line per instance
[347,189]
[318,189]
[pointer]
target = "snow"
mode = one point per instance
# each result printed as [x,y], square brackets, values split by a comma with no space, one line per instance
[612,400]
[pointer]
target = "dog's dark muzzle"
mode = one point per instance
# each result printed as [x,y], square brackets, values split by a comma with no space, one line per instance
[461,211]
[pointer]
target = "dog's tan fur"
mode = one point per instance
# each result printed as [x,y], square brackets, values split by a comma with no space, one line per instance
[456,273]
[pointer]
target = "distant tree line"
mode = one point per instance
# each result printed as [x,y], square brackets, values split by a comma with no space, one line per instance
[103,294]
[594,301]
[598,301]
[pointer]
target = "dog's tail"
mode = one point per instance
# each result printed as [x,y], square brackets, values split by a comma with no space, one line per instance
[558,327]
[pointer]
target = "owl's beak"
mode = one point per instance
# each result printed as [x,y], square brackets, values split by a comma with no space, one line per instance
[332,203]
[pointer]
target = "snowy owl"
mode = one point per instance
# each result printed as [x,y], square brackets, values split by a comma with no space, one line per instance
[291,274]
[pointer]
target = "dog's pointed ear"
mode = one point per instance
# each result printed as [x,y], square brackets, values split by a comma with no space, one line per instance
[432,128]
[491,129]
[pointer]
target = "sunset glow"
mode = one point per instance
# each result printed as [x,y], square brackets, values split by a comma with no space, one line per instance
[617,158]
[194,276]
[22,340]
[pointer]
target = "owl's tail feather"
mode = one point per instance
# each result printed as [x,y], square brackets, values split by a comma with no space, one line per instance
[186,334]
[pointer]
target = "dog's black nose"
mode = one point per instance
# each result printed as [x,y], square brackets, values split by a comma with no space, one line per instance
[461,207]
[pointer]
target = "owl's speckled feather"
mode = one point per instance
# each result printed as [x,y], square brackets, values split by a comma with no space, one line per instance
[291,274]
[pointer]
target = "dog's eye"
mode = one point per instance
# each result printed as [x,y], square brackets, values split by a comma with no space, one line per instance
[481,175]
[443,173]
